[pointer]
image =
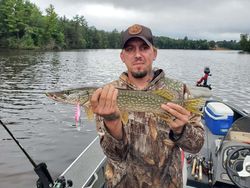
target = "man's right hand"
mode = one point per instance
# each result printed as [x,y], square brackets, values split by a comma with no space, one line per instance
[104,103]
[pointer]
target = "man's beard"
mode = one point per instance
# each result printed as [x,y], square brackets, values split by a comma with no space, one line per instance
[140,74]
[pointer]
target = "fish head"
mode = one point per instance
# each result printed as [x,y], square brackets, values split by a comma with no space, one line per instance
[72,96]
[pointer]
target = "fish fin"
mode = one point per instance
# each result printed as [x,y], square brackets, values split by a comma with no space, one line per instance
[88,111]
[194,105]
[124,117]
[164,93]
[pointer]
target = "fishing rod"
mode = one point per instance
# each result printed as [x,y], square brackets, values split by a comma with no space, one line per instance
[45,180]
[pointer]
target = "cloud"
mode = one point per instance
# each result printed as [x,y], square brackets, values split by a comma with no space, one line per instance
[197,19]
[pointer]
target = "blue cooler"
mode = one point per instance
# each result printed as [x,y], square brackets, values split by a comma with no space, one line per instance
[218,117]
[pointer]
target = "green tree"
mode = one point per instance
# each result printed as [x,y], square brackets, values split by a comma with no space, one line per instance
[245,42]
[12,25]
[17,21]
[93,38]
[52,36]
[212,44]
[114,39]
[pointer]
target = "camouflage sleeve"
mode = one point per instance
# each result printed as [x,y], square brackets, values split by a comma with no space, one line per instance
[112,148]
[192,138]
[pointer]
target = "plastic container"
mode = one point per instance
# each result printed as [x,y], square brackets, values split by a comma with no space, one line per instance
[218,117]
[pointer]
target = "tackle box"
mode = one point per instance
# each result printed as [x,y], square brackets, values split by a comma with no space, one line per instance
[218,117]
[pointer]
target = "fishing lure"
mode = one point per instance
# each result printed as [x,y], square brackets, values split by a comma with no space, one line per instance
[77,115]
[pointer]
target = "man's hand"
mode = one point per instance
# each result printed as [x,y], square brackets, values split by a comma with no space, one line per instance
[104,103]
[181,116]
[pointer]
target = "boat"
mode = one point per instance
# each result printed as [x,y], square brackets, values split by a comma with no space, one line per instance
[224,160]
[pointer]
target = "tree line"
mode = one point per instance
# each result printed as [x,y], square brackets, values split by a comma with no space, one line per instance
[23,26]
[168,43]
[245,42]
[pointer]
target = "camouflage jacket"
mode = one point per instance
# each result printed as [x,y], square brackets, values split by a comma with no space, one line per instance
[149,154]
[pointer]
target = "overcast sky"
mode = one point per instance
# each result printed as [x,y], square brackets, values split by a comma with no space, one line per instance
[196,19]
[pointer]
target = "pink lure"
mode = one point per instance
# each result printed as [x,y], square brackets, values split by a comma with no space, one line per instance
[77,115]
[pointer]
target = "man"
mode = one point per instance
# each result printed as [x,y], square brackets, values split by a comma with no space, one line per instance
[145,152]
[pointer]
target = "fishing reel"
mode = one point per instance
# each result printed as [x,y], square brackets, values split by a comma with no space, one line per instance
[45,180]
[62,183]
[59,183]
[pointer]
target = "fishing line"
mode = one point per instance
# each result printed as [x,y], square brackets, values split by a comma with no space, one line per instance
[23,150]
[45,180]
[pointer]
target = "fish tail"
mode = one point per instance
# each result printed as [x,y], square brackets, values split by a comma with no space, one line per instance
[194,105]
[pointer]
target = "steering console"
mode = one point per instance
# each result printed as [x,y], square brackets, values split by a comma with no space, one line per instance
[240,176]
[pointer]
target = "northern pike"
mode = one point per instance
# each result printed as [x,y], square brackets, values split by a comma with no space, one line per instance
[130,101]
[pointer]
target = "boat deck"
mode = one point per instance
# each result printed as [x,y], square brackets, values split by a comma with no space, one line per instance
[85,165]
[87,170]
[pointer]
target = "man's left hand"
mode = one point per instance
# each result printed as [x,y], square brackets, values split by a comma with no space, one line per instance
[180,114]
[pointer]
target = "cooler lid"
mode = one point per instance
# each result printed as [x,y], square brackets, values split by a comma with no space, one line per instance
[219,108]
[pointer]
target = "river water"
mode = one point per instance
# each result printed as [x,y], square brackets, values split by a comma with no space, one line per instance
[44,128]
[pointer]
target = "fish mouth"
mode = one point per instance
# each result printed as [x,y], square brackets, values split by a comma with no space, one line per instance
[53,96]
[62,97]
[49,95]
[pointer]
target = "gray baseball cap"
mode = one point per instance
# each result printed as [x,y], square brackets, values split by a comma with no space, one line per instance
[137,31]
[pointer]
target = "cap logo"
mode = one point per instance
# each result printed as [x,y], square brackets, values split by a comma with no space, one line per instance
[135,29]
